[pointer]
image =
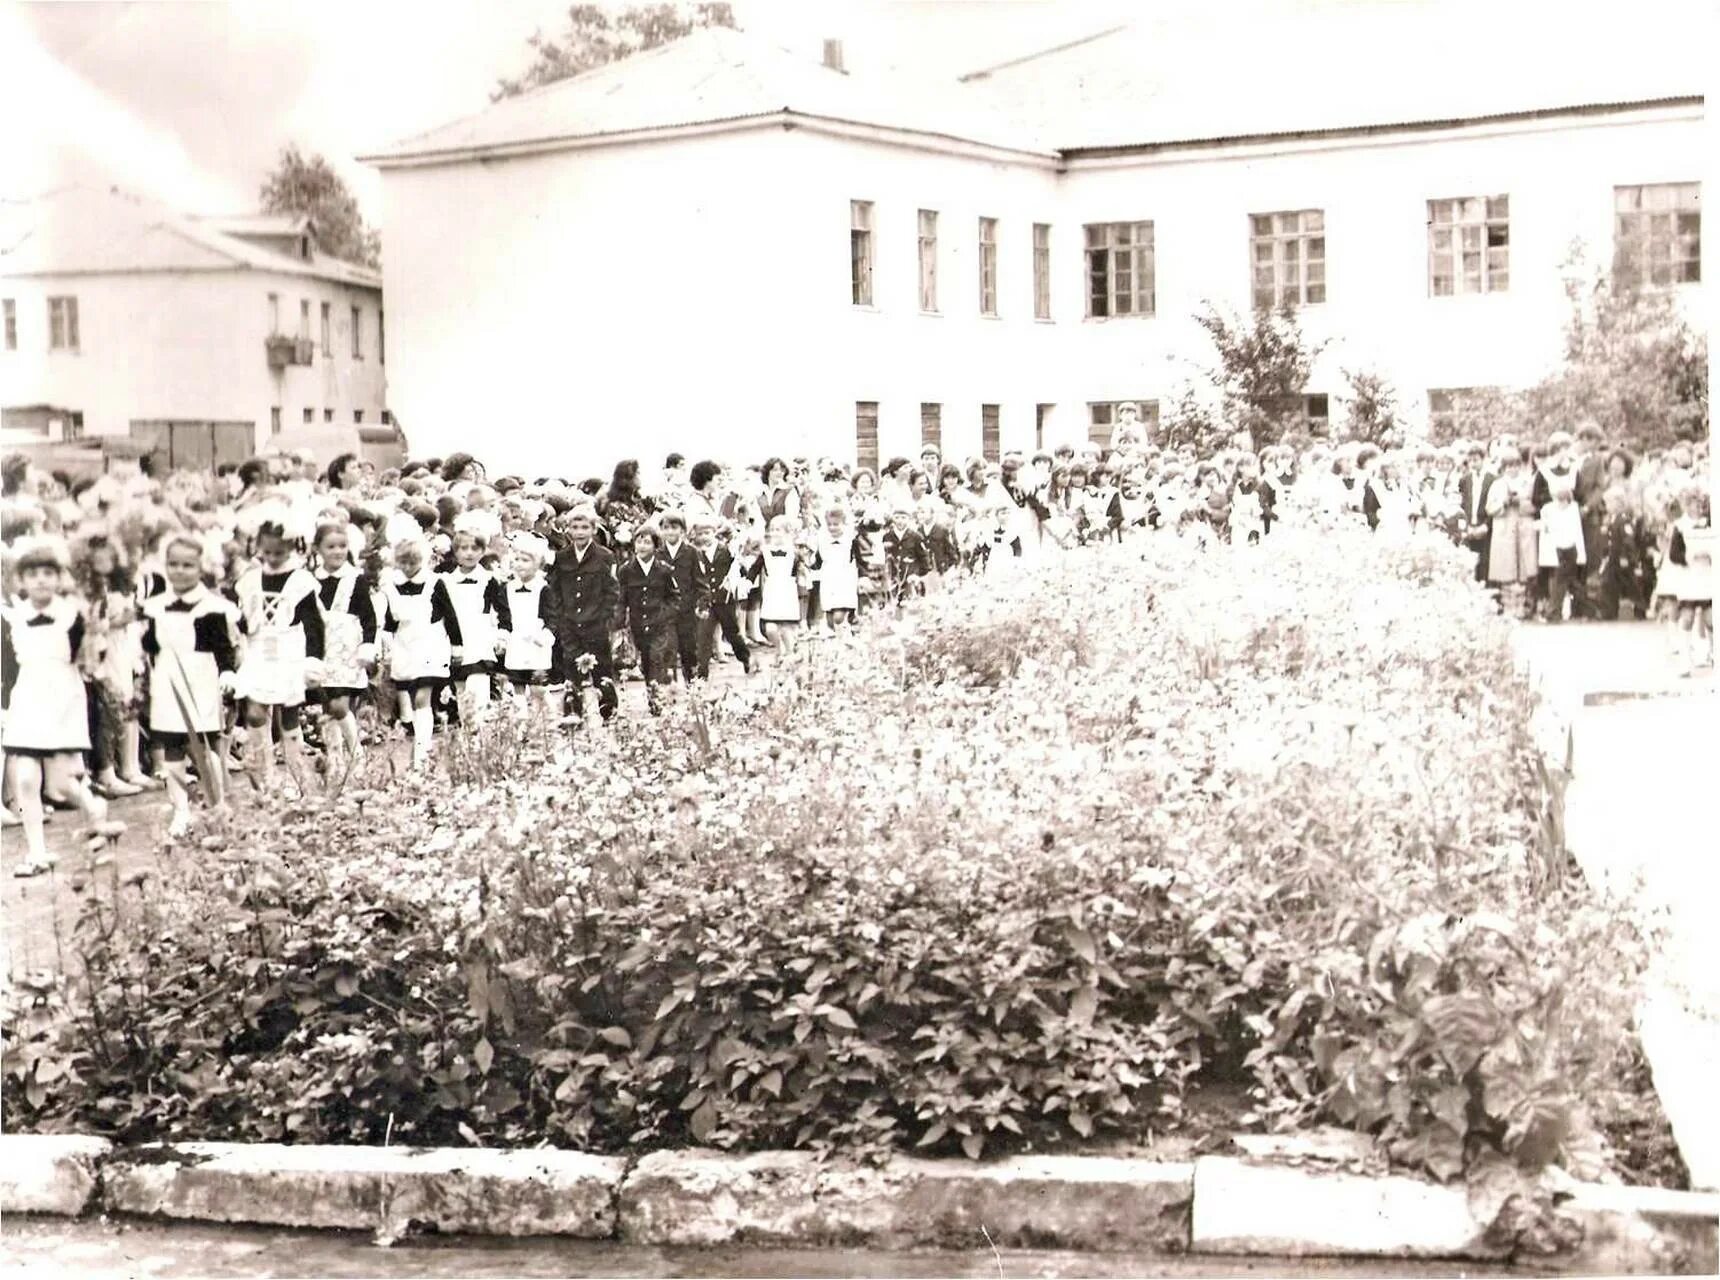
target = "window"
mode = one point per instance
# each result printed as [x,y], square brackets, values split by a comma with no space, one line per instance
[275,420]
[387,418]
[988,266]
[1120,269]
[328,415]
[866,434]
[1041,419]
[310,414]
[11,309]
[1102,418]
[931,425]
[357,333]
[1657,234]
[381,346]
[1289,257]
[274,313]
[1042,271]
[990,433]
[860,251]
[304,319]
[928,260]
[62,324]
[327,344]
[1317,414]
[1468,245]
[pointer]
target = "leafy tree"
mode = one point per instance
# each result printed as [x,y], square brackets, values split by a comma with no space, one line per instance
[309,185]
[595,36]
[1263,369]
[1191,422]
[1370,411]
[1633,365]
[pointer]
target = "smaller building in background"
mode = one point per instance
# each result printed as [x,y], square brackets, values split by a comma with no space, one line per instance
[204,338]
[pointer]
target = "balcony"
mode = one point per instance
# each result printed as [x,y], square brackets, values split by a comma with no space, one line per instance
[283,351]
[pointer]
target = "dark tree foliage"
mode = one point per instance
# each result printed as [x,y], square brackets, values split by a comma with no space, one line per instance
[595,36]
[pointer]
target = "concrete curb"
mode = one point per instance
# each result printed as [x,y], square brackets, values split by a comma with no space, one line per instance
[1217,1205]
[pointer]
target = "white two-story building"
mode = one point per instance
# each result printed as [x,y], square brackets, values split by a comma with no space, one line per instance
[724,248]
[206,338]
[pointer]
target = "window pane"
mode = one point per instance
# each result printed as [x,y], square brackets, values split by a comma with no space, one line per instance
[1499,207]
[1627,198]
[1497,235]
[1317,247]
[1442,241]
[1314,220]
[1261,224]
[1689,224]
[1500,281]
[1439,211]
[1263,297]
[1316,293]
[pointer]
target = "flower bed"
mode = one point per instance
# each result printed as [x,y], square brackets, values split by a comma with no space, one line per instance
[1022,872]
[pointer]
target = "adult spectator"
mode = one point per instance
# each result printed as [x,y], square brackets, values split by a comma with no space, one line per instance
[779,496]
[345,472]
[704,493]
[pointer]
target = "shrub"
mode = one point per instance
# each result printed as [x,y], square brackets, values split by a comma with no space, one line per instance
[1026,873]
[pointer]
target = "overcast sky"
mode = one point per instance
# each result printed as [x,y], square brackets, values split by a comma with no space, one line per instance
[190,101]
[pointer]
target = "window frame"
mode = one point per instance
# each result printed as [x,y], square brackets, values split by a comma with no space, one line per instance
[1637,259]
[1485,217]
[1277,239]
[988,266]
[9,319]
[304,319]
[991,432]
[63,332]
[866,435]
[1042,271]
[862,253]
[932,424]
[327,314]
[926,230]
[357,332]
[274,419]
[1112,251]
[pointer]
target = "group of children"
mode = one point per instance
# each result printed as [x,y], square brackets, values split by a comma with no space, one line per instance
[201,614]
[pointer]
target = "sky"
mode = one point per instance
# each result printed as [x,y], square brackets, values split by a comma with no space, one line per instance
[189,101]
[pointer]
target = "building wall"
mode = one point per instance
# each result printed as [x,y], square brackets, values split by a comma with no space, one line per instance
[558,312]
[189,345]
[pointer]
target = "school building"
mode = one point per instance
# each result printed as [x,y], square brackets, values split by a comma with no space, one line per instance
[730,249]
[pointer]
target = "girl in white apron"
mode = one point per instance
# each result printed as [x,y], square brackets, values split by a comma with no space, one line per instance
[481,606]
[283,627]
[531,644]
[779,610]
[426,638]
[42,692]
[838,569]
[349,643]
[189,637]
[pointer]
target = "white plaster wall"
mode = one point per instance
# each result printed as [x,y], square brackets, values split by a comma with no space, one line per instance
[188,345]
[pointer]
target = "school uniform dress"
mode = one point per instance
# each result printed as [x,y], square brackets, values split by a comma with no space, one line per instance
[44,699]
[349,632]
[1692,554]
[191,641]
[838,568]
[481,606]
[781,593]
[530,649]
[283,627]
[425,628]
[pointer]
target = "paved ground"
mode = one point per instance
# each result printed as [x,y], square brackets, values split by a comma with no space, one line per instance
[1640,820]
[105,1249]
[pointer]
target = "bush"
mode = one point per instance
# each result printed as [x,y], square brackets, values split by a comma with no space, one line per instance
[1029,872]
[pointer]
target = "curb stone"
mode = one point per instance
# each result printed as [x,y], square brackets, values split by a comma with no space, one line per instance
[448,1189]
[705,1197]
[1215,1205]
[50,1173]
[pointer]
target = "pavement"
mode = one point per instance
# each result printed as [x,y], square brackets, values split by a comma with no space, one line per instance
[1639,814]
[103,1248]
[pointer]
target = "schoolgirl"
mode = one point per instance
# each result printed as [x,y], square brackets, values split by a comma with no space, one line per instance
[1512,548]
[349,624]
[481,605]
[836,565]
[526,659]
[1692,552]
[42,693]
[283,629]
[189,637]
[779,605]
[110,601]
[425,637]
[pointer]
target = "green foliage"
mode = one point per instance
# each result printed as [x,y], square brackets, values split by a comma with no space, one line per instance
[596,35]
[998,880]
[1263,368]
[309,185]
[1370,408]
[1189,422]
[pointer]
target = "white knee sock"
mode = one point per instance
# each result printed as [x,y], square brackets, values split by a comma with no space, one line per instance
[423,725]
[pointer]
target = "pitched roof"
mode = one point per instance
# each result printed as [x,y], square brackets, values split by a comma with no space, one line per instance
[1208,75]
[714,76]
[92,229]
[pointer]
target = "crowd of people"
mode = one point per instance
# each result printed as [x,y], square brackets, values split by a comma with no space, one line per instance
[159,631]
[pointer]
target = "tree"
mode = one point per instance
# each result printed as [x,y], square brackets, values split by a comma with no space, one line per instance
[1633,365]
[1263,369]
[310,186]
[1191,423]
[1370,410]
[595,36]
